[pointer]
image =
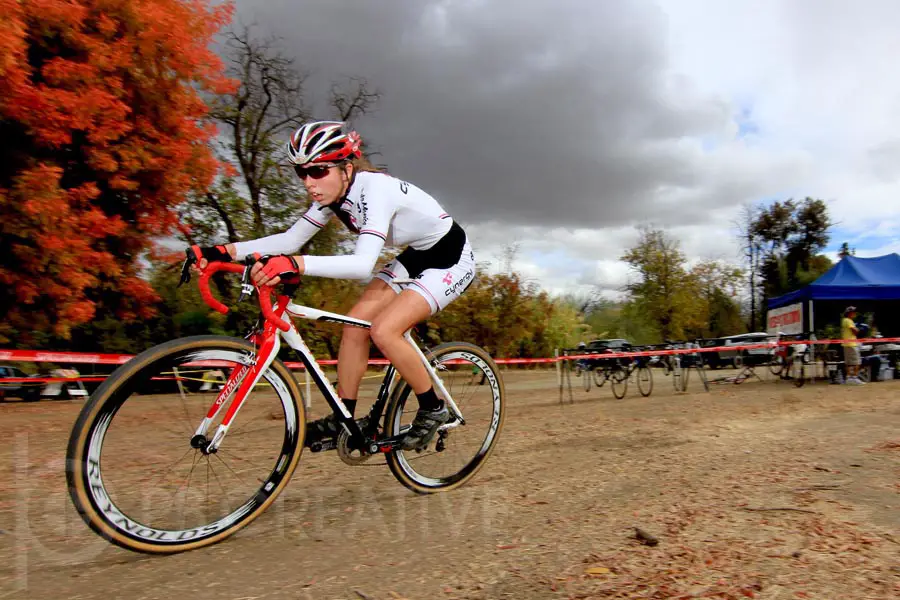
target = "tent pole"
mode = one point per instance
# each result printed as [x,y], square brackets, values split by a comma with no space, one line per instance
[812,322]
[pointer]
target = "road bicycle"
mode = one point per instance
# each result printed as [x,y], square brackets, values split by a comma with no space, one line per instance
[671,364]
[600,370]
[641,365]
[679,365]
[160,461]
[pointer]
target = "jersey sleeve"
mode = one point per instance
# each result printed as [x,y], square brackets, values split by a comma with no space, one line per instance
[358,265]
[290,241]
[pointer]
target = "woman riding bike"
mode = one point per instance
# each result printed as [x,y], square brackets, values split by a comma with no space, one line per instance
[379,208]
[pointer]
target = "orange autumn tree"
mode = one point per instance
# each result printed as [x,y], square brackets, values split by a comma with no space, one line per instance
[102,135]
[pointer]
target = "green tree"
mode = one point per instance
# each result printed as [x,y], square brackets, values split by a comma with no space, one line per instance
[793,233]
[717,285]
[846,250]
[664,289]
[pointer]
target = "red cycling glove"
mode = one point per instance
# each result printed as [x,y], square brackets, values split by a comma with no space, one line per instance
[282,266]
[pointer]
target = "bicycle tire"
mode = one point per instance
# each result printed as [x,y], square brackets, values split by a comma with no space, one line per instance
[776,366]
[619,382]
[83,464]
[645,384]
[397,462]
[600,376]
[588,375]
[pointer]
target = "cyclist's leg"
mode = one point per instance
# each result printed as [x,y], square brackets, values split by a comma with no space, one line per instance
[407,309]
[353,356]
[387,332]
[432,291]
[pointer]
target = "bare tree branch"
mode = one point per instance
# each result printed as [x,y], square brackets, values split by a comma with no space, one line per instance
[256,118]
[214,203]
[354,98]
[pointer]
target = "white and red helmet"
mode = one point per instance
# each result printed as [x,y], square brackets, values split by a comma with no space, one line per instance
[323,142]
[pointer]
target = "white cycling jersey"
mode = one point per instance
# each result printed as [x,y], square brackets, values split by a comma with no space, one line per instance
[380,208]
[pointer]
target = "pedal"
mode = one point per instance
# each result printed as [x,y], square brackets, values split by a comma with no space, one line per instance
[323,446]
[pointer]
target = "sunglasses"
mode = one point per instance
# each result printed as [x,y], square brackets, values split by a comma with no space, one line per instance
[315,171]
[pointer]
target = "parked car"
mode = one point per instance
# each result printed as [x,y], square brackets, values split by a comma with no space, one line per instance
[615,345]
[736,358]
[27,391]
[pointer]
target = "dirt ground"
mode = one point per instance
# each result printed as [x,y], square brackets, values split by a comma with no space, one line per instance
[761,490]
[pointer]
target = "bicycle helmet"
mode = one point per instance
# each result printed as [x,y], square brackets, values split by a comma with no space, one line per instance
[323,142]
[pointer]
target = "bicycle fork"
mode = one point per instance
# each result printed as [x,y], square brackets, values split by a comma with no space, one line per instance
[240,382]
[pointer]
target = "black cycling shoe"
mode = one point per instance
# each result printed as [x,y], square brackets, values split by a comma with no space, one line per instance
[321,431]
[423,428]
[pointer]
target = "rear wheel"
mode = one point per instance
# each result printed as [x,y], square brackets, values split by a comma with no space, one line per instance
[619,381]
[645,381]
[776,366]
[461,446]
[601,374]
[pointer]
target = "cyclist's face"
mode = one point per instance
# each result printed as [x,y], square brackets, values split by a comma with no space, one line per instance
[325,184]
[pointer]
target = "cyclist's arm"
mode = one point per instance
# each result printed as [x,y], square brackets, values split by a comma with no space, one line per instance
[291,240]
[358,265]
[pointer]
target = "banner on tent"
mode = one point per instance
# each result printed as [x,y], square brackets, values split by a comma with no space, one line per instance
[786,319]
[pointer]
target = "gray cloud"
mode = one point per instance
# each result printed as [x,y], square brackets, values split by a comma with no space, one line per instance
[528,113]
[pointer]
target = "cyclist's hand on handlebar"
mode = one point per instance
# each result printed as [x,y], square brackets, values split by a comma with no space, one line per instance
[198,257]
[272,270]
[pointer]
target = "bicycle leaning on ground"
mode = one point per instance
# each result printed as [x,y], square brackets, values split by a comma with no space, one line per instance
[153,400]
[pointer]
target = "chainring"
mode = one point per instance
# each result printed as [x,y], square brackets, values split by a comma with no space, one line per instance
[346,454]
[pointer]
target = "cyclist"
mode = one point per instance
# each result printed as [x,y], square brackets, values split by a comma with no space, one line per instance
[379,208]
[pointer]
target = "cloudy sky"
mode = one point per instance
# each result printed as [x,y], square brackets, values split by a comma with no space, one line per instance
[559,126]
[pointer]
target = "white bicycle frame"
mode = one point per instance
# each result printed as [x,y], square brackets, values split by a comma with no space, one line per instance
[268,351]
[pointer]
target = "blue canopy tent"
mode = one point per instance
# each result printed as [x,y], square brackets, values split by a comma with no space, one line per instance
[859,281]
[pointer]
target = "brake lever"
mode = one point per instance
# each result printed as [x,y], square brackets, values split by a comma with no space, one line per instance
[246,287]
[189,260]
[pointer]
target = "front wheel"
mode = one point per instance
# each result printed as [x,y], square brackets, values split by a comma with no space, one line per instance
[461,446]
[645,381]
[136,467]
[777,365]
[619,381]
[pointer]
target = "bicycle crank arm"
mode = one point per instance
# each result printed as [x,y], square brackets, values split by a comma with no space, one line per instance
[392,443]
